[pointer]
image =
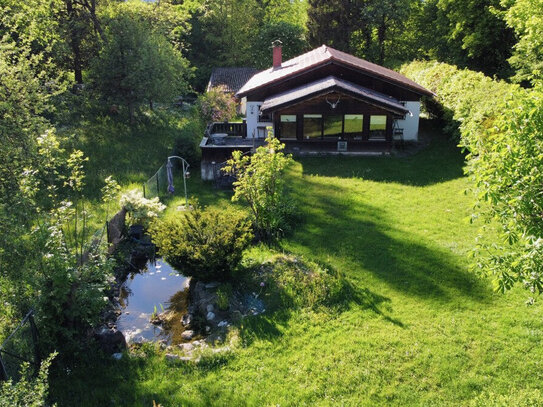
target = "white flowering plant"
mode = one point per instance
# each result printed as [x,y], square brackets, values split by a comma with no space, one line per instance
[141,210]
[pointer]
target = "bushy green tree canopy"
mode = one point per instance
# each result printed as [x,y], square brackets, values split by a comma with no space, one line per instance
[525,17]
[136,64]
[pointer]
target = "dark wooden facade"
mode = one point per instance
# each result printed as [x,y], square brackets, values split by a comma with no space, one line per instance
[347,106]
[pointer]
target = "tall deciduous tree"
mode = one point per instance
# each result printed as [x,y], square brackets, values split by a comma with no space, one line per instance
[370,28]
[467,33]
[292,36]
[379,27]
[137,64]
[330,22]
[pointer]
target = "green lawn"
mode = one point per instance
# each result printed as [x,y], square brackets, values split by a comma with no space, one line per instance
[420,330]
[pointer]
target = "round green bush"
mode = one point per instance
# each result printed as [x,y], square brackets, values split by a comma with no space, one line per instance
[206,244]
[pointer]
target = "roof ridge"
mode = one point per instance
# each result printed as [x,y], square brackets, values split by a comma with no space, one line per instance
[325,54]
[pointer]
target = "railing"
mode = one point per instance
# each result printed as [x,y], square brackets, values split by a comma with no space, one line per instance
[232,129]
[223,179]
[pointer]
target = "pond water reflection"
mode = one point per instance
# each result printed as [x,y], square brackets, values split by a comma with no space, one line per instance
[157,287]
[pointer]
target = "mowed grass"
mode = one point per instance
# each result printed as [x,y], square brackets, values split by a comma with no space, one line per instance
[418,330]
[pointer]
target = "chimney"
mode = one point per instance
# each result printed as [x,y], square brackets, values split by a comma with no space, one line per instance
[277,54]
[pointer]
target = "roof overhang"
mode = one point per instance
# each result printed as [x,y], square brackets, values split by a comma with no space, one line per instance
[328,85]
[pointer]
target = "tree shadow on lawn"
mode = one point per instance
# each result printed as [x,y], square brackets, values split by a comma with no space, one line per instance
[138,381]
[437,162]
[330,293]
[337,225]
[271,325]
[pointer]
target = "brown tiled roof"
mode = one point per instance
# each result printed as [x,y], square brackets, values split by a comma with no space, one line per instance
[330,84]
[231,79]
[325,54]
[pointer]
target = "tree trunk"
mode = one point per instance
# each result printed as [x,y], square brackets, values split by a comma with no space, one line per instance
[132,112]
[78,70]
[381,33]
[75,42]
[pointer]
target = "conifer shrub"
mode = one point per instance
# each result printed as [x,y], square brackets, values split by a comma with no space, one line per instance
[206,244]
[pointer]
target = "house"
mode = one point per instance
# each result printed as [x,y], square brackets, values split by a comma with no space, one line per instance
[323,101]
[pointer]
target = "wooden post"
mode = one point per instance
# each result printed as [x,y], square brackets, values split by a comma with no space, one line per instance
[366,127]
[390,122]
[144,191]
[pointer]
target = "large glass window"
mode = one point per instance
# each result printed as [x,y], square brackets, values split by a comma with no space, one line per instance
[288,126]
[312,125]
[333,125]
[354,124]
[378,126]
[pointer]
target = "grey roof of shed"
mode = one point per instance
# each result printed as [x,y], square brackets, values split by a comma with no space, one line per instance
[330,84]
[230,79]
[323,55]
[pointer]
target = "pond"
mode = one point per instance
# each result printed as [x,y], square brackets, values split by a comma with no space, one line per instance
[156,288]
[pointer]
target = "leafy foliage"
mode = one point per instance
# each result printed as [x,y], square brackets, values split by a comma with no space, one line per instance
[467,33]
[468,99]
[72,288]
[206,244]
[29,391]
[507,172]
[525,17]
[291,35]
[216,105]
[260,182]
[136,64]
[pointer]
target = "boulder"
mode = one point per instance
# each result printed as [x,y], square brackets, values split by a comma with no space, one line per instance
[186,320]
[186,347]
[110,340]
[187,335]
[171,357]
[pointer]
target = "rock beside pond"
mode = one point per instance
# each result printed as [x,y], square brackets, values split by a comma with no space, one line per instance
[210,316]
[172,357]
[186,320]
[110,340]
[186,347]
[187,335]
[201,297]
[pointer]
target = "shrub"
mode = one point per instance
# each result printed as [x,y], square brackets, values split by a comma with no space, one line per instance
[216,106]
[260,182]
[470,100]
[288,281]
[73,290]
[206,244]
[187,143]
[29,391]
[140,209]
